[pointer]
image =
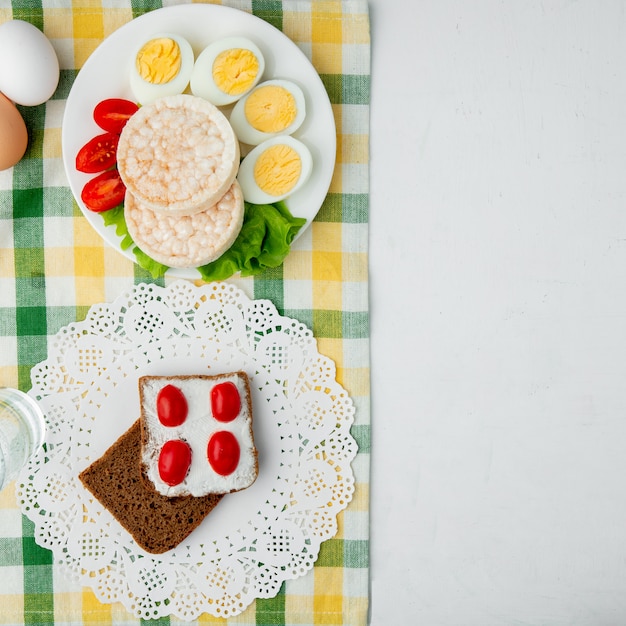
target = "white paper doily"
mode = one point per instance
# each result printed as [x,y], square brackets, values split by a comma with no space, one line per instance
[253,540]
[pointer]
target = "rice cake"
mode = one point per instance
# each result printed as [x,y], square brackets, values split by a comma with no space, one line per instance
[178,155]
[187,240]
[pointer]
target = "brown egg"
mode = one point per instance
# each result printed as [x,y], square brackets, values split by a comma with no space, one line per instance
[13,134]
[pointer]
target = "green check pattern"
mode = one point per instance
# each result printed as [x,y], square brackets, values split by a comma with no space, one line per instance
[53,267]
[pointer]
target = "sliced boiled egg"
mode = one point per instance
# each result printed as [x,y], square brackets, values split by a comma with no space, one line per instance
[226,70]
[272,108]
[274,170]
[162,66]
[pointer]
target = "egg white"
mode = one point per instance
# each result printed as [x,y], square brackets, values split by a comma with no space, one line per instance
[248,134]
[251,190]
[202,82]
[146,92]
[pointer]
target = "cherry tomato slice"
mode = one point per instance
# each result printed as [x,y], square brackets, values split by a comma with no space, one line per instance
[172,406]
[225,401]
[113,113]
[223,452]
[103,192]
[174,461]
[98,154]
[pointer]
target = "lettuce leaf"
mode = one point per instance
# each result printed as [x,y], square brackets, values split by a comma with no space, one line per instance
[263,242]
[115,217]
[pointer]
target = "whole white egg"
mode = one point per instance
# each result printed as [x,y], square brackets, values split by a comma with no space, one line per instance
[161,66]
[274,107]
[29,72]
[274,170]
[226,70]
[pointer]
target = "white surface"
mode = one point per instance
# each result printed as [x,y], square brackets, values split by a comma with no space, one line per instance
[105,74]
[498,272]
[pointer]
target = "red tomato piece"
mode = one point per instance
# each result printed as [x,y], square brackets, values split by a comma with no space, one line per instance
[174,461]
[171,406]
[113,113]
[104,192]
[98,154]
[225,401]
[223,452]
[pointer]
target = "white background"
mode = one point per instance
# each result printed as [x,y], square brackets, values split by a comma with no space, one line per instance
[498,312]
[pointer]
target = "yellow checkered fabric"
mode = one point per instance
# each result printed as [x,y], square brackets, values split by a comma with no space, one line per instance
[54,266]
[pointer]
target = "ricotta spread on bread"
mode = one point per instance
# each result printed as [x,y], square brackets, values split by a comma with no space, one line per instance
[203,425]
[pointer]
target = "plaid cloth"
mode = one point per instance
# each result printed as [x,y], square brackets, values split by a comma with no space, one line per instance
[53,267]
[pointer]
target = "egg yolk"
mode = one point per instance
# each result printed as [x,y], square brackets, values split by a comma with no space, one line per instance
[271,109]
[159,60]
[235,70]
[278,169]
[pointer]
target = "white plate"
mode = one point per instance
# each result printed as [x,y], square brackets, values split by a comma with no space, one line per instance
[254,540]
[105,75]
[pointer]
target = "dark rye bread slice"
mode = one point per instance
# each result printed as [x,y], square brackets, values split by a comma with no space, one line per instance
[157,523]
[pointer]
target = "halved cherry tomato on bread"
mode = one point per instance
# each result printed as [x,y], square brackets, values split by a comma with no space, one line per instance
[98,154]
[113,113]
[174,461]
[104,192]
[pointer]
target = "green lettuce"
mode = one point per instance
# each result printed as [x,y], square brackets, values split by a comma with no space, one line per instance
[263,242]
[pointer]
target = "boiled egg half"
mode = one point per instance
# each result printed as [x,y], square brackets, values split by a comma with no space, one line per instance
[162,66]
[272,108]
[226,70]
[274,170]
